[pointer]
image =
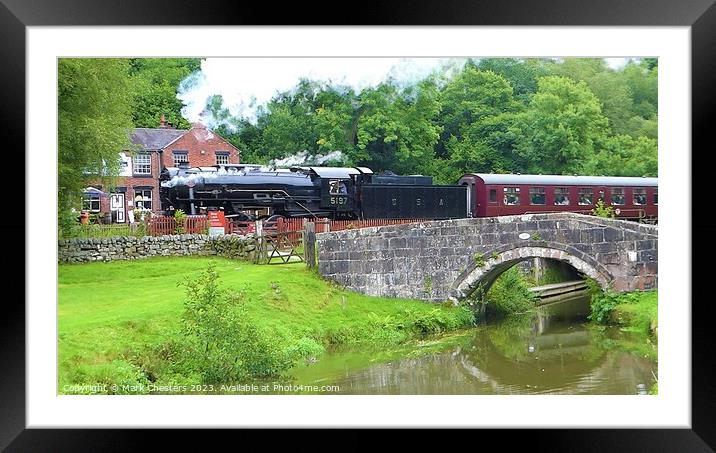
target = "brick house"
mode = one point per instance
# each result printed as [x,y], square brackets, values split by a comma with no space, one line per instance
[156,148]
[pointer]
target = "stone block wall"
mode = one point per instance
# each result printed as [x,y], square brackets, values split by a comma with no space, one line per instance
[429,260]
[82,250]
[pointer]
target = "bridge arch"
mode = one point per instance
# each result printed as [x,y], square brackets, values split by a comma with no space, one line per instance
[490,265]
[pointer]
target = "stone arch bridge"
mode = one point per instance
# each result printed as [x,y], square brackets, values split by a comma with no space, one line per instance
[450,259]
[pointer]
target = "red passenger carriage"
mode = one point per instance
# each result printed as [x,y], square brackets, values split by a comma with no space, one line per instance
[492,195]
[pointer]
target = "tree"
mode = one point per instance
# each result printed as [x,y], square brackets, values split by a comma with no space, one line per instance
[478,108]
[336,120]
[396,129]
[521,74]
[557,132]
[155,83]
[94,117]
[623,155]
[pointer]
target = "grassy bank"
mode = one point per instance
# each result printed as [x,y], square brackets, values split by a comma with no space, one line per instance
[121,322]
[636,311]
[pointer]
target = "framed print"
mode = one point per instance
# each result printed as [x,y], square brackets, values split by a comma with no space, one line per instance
[41,43]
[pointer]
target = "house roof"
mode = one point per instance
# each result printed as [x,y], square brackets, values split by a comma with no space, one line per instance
[147,138]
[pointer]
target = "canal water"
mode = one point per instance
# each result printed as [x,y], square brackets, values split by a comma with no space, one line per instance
[552,351]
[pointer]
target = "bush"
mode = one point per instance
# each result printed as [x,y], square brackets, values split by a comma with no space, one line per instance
[603,304]
[219,341]
[602,210]
[180,219]
[67,224]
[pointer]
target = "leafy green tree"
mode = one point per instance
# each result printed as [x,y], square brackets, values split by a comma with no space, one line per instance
[155,82]
[397,131]
[522,74]
[623,155]
[557,132]
[94,116]
[285,132]
[336,120]
[616,98]
[478,110]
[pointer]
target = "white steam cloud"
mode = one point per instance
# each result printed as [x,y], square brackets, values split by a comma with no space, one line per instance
[303,158]
[248,83]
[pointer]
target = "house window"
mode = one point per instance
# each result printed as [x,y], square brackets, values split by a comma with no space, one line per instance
[639,195]
[585,196]
[143,199]
[537,195]
[493,195]
[656,196]
[142,164]
[90,202]
[512,196]
[561,196]
[222,158]
[180,157]
[618,197]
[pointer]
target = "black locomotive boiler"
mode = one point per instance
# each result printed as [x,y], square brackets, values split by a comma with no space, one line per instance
[332,192]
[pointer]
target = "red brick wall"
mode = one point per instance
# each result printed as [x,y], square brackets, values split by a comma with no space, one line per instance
[196,140]
[130,182]
[201,145]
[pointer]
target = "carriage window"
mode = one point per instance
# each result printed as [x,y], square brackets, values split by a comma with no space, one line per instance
[512,196]
[618,197]
[585,196]
[493,195]
[639,196]
[561,196]
[537,195]
[656,196]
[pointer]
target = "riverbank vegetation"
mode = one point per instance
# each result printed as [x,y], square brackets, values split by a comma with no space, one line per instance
[636,311]
[180,321]
[510,294]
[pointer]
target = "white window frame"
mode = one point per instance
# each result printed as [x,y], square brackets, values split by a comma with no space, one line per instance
[139,164]
[91,199]
[184,154]
[142,192]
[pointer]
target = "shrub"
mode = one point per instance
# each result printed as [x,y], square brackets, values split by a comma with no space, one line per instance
[602,210]
[220,342]
[603,304]
[180,219]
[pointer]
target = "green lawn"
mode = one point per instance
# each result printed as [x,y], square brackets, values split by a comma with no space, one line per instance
[112,314]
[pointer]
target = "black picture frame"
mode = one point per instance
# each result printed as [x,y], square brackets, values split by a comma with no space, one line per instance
[700,15]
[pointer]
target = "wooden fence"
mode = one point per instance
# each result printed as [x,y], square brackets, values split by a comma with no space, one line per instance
[325,225]
[164,225]
[198,224]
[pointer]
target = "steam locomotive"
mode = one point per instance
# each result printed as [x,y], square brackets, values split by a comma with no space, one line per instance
[335,193]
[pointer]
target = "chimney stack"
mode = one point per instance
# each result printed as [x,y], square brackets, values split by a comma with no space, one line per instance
[162,122]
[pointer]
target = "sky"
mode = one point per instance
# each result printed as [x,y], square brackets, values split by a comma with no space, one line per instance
[247,83]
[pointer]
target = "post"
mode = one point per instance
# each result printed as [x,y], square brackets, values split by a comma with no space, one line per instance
[260,244]
[191,199]
[309,244]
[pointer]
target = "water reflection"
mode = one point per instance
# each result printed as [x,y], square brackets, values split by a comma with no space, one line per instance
[550,351]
